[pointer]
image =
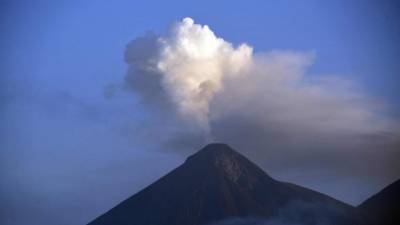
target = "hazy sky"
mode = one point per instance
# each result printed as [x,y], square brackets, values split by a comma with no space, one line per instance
[83,129]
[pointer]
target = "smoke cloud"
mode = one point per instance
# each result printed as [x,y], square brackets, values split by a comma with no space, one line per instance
[194,62]
[197,88]
[189,65]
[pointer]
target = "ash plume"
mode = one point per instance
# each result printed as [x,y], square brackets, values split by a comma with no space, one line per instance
[200,87]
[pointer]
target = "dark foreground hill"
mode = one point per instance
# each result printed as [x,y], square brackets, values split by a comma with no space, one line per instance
[384,207]
[219,186]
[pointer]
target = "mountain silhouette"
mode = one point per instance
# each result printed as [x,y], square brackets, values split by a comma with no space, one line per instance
[384,207]
[217,185]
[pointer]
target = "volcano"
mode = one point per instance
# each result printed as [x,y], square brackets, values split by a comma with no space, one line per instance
[217,185]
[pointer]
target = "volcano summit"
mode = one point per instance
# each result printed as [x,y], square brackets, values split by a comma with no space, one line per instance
[217,185]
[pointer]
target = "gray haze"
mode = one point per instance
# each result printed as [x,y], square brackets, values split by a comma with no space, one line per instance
[294,213]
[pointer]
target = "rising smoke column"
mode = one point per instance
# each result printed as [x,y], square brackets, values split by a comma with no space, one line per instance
[197,85]
[194,62]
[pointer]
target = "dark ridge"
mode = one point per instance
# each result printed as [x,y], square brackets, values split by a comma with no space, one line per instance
[384,207]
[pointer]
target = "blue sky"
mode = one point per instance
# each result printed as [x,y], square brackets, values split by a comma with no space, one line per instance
[60,131]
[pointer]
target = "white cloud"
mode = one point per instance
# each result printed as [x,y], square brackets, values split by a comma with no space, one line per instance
[193,63]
